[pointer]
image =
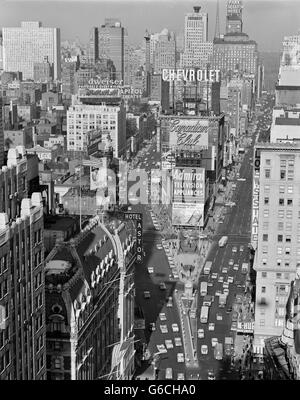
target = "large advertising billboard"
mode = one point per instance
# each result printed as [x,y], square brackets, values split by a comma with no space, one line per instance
[188,185]
[188,214]
[191,133]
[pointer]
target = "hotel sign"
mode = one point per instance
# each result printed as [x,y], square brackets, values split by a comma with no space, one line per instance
[255,199]
[138,218]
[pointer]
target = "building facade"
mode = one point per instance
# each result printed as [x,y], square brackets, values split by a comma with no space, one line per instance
[90,305]
[29,44]
[110,120]
[275,233]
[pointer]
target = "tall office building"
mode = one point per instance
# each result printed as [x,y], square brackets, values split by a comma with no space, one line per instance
[164,55]
[94,45]
[111,45]
[234,51]
[291,50]
[197,50]
[29,44]
[275,233]
[234,20]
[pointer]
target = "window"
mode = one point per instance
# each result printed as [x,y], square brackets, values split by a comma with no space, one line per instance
[288,226]
[281,189]
[287,264]
[268,162]
[289,214]
[289,202]
[278,262]
[280,226]
[286,275]
[263,289]
[266,213]
[265,249]
[282,163]
[263,300]
[287,250]
[279,238]
[288,238]
[265,225]
[279,250]
[261,322]
[263,274]
[280,213]
[265,237]
[57,363]
[278,275]
[267,188]
[266,200]
[298,251]
[264,261]
[281,202]
[282,174]
[267,173]
[290,189]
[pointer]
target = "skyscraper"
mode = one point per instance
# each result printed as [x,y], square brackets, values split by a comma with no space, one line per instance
[94,45]
[111,42]
[234,51]
[29,44]
[1,135]
[164,55]
[197,50]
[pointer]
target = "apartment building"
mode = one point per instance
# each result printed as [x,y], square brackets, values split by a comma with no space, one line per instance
[275,233]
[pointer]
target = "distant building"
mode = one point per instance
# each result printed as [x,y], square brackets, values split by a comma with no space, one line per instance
[164,55]
[1,135]
[287,90]
[68,79]
[160,91]
[42,71]
[111,44]
[285,125]
[29,44]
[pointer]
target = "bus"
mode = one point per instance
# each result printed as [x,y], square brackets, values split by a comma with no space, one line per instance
[207,267]
[218,351]
[204,314]
[203,288]
[223,241]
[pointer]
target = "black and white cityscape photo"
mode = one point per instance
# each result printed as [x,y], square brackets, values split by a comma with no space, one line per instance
[150,192]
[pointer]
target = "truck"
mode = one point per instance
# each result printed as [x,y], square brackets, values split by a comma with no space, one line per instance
[228,345]
[207,267]
[245,268]
[204,314]
[223,241]
[222,300]
[218,351]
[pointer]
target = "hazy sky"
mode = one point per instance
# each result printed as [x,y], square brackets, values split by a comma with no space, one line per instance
[266,21]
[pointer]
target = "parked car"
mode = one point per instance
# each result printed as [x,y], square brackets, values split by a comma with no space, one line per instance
[180,358]
[201,333]
[204,349]
[214,341]
[147,294]
[152,327]
[178,341]
[175,328]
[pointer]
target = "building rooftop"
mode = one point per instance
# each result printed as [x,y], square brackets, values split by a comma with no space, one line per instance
[59,223]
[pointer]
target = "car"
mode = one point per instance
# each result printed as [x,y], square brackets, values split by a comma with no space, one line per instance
[151,270]
[219,317]
[169,344]
[214,276]
[234,326]
[234,249]
[180,376]
[224,270]
[201,333]
[147,294]
[211,326]
[211,376]
[175,275]
[161,348]
[180,358]
[204,349]
[241,249]
[162,316]
[230,279]
[175,328]
[236,267]
[170,302]
[169,373]
[225,285]
[226,291]
[221,279]
[152,327]
[231,262]
[218,292]
[210,284]
[162,286]
[159,247]
[178,342]
[214,341]
[163,328]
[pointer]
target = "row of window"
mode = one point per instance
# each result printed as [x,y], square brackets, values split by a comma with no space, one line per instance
[281,213]
[282,189]
[289,202]
[264,274]
[289,175]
